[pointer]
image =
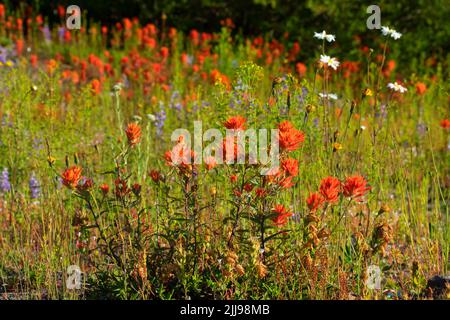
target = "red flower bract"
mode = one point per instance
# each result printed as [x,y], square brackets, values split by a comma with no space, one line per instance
[355,187]
[133,133]
[290,166]
[330,188]
[445,124]
[282,215]
[236,123]
[121,187]
[155,175]
[289,138]
[285,126]
[71,176]
[104,188]
[314,201]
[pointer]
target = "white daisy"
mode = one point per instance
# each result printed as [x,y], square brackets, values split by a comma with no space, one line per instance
[323,35]
[396,35]
[397,87]
[328,96]
[386,31]
[332,62]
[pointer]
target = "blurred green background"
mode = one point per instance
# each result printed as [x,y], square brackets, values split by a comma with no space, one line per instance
[424,23]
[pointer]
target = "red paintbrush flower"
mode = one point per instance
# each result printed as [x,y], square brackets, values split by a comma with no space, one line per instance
[355,187]
[236,123]
[96,86]
[285,126]
[210,162]
[286,183]
[260,192]
[289,138]
[155,175]
[421,88]
[121,188]
[330,188]
[445,124]
[71,176]
[104,188]
[282,215]
[290,166]
[314,201]
[133,133]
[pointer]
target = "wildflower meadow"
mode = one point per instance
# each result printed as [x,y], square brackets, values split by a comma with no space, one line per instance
[145,160]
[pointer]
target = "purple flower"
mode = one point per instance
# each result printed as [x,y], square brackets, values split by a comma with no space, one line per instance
[47,34]
[61,31]
[160,119]
[316,122]
[421,129]
[35,188]
[382,113]
[38,144]
[5,185]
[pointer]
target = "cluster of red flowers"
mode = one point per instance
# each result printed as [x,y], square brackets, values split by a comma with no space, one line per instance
[180,157]
[71,178]
[330,189]
[282,215]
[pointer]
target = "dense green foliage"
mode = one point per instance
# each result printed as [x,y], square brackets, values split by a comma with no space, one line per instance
[423,22]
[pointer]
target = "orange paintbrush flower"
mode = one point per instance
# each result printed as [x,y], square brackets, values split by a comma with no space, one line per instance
[155,175]
[104,188]
[314,201]
[133,132]
[445,124]
[96,86]
[236,123]
[282,215]
[330,188]
[290,138]
[355,187]
[71,176]
[290,166]
[210,162]
[421,88]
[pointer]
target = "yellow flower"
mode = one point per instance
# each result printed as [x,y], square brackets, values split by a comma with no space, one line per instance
[51,160]
[367,92]
[337,146]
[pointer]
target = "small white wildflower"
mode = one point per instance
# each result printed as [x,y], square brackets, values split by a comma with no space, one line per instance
[386,31]
[332,62]
[151,117]
[137,118]
[396,35]
[117,87]
[397,87]
[323,35]
[328,96]
[330,37]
